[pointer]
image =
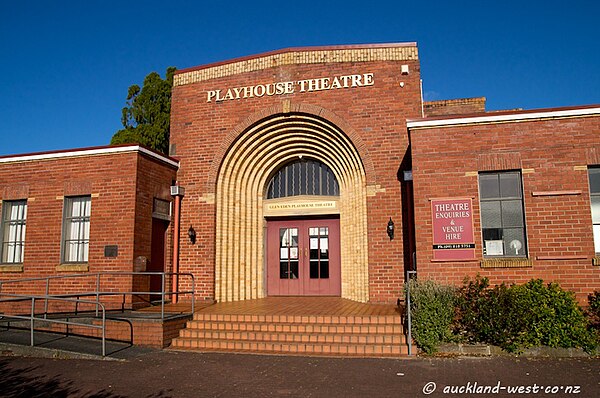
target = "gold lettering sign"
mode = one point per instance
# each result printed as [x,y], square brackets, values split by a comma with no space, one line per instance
[291,87]
[301,205]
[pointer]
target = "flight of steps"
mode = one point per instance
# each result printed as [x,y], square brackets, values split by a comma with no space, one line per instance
[360,335]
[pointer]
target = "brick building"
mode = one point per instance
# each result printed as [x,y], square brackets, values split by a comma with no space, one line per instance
[321,171]
[84,211]
[529,182]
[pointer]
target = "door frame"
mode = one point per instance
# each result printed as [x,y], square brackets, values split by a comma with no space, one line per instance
[305,286]
[158,255]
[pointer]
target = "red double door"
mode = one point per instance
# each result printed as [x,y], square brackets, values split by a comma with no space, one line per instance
[303,257]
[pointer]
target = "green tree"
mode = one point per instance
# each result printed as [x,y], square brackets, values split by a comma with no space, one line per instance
[146,118]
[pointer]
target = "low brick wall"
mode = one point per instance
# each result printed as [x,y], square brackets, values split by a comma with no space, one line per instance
[153,333]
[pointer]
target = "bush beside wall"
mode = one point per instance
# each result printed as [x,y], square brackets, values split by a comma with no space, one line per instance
[432,312]
[594,309]
[512,317]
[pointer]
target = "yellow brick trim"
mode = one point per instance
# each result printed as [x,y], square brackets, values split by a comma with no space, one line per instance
[72,268]
[596,260]
[373,190]
[11,268]
[507,263]
[528,171]
[580,168]
[208,198]
[405,53]
[240,231]
[471,174]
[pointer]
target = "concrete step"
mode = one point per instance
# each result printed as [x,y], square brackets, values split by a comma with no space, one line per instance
[371,335]
[376,350]
[302,319]
[337,338]
[296,327]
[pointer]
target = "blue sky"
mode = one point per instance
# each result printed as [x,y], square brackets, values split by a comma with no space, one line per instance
[66,65]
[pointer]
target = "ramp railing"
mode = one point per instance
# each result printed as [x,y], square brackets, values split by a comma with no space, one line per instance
[98,281]
[95,298]
[32,317]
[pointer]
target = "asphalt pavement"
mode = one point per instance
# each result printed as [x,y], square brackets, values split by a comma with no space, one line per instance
[167,373]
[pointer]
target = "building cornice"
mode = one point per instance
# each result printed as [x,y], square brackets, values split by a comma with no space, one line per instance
[504,117]
[296,56]
[95,151]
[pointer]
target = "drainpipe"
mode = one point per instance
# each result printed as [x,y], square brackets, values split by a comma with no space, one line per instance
[177,192]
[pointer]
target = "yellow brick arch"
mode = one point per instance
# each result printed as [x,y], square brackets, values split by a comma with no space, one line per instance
[241,182]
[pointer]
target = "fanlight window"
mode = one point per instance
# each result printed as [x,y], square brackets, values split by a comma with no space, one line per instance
[303,177]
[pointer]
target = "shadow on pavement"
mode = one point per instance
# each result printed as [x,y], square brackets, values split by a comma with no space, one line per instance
[60,345]
[20,383]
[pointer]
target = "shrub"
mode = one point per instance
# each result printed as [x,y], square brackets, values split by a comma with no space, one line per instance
[485,315]
[470,300]
[552,317]
[594,309]
[432,313]
[521,316]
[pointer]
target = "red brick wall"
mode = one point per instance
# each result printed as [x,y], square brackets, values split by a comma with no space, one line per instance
[143,332]
[375,113]
[558,226]
[153,181]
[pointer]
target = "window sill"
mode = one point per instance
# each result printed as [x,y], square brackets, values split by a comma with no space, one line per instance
[507,263]
[11,268]
[72,268]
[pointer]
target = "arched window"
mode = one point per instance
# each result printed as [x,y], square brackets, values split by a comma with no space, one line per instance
[303,177]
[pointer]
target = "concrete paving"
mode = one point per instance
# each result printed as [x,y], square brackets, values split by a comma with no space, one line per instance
[55,345]
[167,373]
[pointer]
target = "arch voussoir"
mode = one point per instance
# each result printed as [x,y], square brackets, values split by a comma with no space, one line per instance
[263,146]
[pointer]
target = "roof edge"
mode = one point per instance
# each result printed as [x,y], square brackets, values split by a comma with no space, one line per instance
[89,151]
[504,116]
[295,49]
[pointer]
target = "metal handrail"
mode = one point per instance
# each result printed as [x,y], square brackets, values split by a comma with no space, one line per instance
[408,312]
[32,315]
[75,297]
[98,292]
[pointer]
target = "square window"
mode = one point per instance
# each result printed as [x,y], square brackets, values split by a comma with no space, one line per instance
[489,186]
[510,185]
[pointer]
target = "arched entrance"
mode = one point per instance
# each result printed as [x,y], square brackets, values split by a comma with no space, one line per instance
[303,230]
[247,168]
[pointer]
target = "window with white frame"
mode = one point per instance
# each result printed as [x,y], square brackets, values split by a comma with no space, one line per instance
[502,215]
[76,229]
[12,227]
[594,174]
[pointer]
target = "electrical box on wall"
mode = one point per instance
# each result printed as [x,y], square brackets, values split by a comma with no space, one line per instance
[176,190]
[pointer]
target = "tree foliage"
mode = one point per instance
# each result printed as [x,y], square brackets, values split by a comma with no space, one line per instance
[146,117]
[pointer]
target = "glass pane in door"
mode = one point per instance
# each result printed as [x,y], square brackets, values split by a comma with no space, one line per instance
[319,253]
[288,253]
